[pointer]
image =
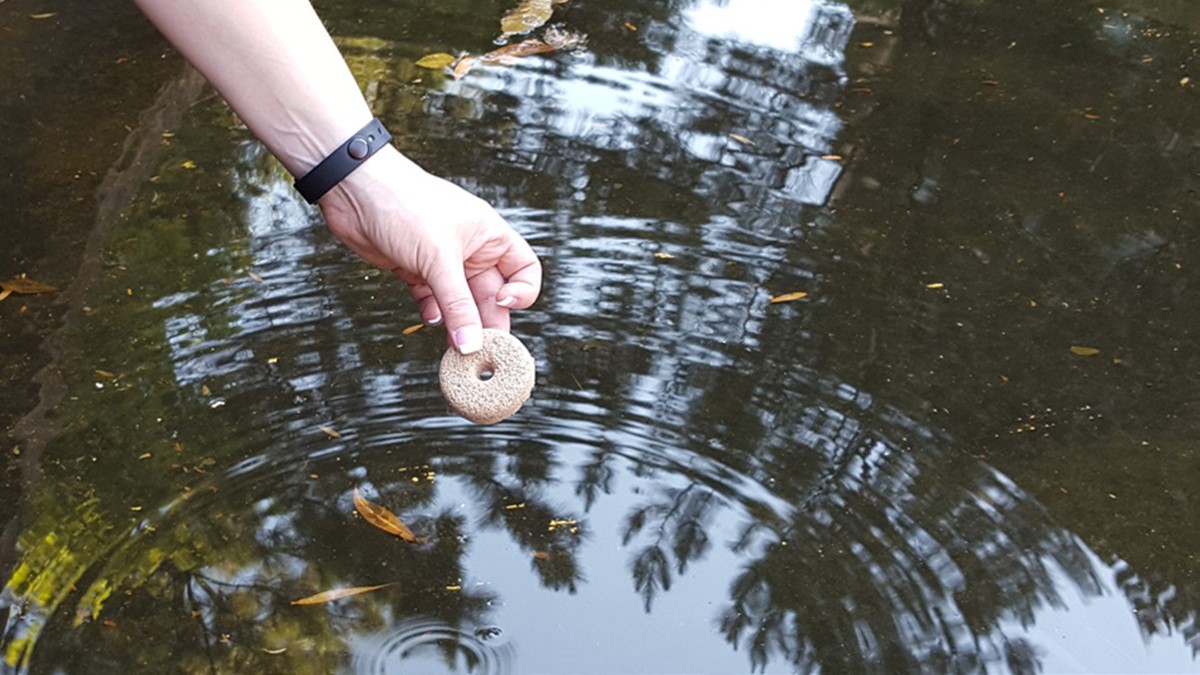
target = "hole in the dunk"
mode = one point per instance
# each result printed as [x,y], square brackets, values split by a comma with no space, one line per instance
[486,372]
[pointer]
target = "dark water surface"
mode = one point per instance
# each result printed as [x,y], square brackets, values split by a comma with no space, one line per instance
[908,470]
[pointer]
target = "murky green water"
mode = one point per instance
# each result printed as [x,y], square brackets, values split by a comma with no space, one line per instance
[973,445]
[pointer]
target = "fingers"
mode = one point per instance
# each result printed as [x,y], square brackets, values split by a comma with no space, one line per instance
[484,287]
[520,266]
[457,303]
[431,314]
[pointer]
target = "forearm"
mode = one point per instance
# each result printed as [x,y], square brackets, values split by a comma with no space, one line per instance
[275,64]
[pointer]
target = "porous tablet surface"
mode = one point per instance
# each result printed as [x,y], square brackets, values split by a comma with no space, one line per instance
[490,384]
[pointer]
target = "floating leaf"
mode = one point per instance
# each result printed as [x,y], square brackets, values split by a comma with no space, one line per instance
[554,40]
[527,15]
[509,53]
[413,328]
[463,66]
[381,518]
[45,15]
[1084,351]
[741,139]
[436,61]
[255,277]
[188,164]
[22,286]
[788,297]
[663,256]
[935,285]
[330,431]
[338,594]
[5,293]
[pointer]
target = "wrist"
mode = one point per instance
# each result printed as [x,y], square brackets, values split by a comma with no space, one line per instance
[375,179]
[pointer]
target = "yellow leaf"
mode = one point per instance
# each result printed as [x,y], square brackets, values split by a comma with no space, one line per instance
[935,285]
[188,164]
[788,297]
[338,594]
[5,293]
[663,256]
[832,158]
[1084,351]
[381,518]
[330,431]
[22,286]
[45,15]
[413,328]
[436,61]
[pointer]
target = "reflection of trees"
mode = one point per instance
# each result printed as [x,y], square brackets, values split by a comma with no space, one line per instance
[864,542]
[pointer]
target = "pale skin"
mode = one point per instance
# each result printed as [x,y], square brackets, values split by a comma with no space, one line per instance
[276,66]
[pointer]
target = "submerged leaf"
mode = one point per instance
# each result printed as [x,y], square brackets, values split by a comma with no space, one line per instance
[1084,351]
[381,518]
[22,286]
[436,61]
[788,297]
[338,594]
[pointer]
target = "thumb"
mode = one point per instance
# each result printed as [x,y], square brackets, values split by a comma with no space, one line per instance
[453,296]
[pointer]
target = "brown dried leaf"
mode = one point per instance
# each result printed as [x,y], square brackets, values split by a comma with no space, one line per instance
[22,286]
[788,297]
[526,16]
[509,53]
[464,65]
[338,594]
[413,328]
[381,518]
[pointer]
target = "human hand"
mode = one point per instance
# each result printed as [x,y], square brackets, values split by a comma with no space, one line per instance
[462,262]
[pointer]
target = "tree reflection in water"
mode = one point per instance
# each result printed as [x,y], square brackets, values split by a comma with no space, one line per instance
[670,393]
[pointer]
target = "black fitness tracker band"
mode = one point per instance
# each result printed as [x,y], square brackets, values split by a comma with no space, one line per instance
[343,161]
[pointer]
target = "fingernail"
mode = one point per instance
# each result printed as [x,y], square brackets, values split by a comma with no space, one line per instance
[468,339]
[506,301]
[435,321]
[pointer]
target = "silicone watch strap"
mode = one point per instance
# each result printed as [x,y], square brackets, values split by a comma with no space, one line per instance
[343,161]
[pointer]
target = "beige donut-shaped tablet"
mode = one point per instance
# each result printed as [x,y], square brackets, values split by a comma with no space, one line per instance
[490,384]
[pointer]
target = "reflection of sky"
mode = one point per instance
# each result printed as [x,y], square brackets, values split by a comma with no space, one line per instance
[759,22]
[1099,634]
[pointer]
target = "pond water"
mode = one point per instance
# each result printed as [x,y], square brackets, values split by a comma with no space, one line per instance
[971,445]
